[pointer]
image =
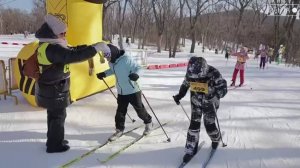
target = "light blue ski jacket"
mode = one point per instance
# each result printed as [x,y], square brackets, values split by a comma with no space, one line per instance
[122,67]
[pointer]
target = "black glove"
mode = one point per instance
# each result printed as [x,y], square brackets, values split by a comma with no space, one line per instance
[101,75]
[176,99]
[133,76]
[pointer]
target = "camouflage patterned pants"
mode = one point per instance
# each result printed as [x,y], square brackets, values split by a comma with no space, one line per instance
[209,112]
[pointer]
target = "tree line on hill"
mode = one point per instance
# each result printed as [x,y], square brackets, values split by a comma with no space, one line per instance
[18,21]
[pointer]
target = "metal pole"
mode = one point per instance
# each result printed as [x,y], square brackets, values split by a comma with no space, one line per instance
[133,120]
[168,139]
[224,145]
[184,110]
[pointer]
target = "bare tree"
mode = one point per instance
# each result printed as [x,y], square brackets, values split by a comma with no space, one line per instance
[159,10]
[145,22]
[107,28]
[289,25]
[178,27]
[260,8]
[121,17]
[170,29]
[38,11]
[137,8]
[277,8]
[239,5]
[228,21]
[196,7]
[106,6]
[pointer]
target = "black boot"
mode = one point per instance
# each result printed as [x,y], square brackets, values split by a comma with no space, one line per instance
[64,142]
[214,145]
[61,148]
[187,157]
[233,83]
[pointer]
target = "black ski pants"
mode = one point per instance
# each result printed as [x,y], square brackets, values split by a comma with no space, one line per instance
[56,127]
[262,62]
[135,100]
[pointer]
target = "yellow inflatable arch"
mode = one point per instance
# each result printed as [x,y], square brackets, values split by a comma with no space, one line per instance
[84,20]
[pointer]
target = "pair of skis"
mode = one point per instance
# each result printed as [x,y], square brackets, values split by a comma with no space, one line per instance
[112,156]
[71,162]
[207,160]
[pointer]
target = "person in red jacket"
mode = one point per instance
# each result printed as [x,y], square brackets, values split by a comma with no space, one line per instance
[242,57]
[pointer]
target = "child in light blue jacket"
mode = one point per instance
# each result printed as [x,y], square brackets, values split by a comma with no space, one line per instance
[127,72]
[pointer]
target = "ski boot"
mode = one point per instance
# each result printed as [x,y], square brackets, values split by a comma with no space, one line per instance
[148,128]
[62,148]
[214,144]
[116,135]
[190,154]
[64,142]
[187,157]
[233,83]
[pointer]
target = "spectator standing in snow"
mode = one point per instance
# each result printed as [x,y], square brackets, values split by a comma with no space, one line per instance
[281,52]
[53,87]
[127,42]
[256,54]
[126,71]
[242,57]
[206,87]
[226,54]
[270,55]
[263,58]
[26,33]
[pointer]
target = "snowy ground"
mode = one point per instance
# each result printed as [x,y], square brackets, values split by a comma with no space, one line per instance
[261,121]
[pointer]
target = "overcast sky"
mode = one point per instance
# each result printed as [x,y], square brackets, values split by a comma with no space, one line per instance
[20,4]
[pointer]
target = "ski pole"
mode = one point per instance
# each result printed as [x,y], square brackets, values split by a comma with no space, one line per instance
[132,120]
[224,145]
[168,139]
[184,111]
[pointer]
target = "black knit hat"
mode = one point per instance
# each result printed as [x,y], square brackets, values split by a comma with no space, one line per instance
[115,52]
